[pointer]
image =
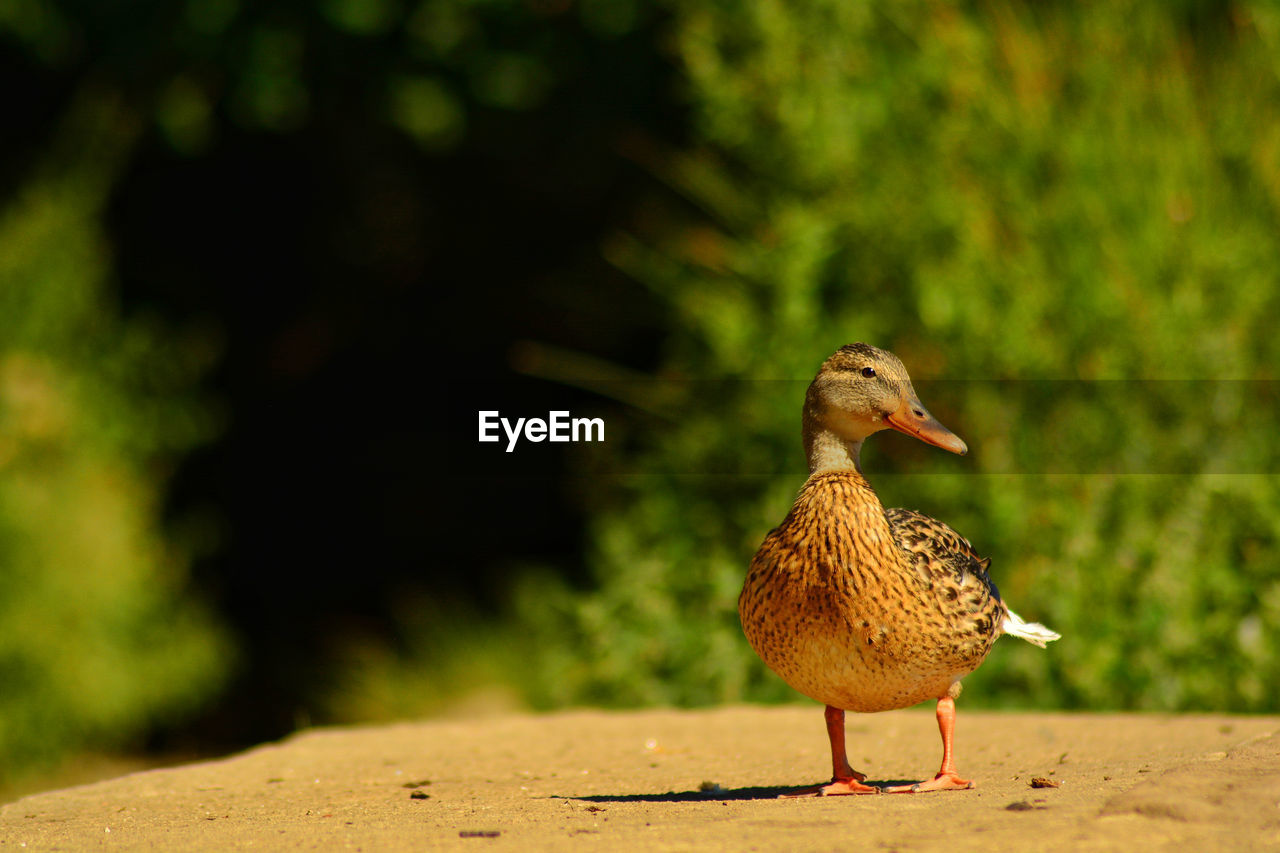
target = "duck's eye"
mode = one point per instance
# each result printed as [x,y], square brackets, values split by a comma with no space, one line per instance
[868,372]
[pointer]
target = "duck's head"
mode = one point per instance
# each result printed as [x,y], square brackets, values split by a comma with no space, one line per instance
[861,390]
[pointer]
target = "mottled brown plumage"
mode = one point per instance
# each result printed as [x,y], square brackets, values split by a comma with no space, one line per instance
[863,608]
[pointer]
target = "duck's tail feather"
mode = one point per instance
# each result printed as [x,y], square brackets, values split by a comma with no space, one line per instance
[1033,632]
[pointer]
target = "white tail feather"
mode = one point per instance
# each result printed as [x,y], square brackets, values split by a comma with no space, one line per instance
[1033,632]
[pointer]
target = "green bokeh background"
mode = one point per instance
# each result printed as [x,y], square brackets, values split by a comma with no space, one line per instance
[994,191]
[1008,195]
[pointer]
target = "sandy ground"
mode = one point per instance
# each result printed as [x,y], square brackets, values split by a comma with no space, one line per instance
[702,780]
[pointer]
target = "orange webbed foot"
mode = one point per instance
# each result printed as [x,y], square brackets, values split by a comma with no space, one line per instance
[836,788]
[844,779]
[947,778]
[942,782]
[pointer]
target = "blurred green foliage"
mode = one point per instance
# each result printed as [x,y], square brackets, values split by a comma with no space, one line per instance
[116,111]
[99,638]
[995,191]
[102,638]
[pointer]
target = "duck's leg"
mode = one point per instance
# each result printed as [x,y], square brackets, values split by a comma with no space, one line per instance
[844,779]
[947,778]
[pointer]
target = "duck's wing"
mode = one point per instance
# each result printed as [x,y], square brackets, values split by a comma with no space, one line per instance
[954,578]
[949,566]
[943,558]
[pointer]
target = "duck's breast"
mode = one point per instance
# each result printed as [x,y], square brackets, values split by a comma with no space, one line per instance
[835,605]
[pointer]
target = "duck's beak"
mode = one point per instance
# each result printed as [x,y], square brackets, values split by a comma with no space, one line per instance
[914,419]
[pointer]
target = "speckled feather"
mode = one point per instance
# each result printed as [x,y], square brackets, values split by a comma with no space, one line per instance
[864,609]
[946,562]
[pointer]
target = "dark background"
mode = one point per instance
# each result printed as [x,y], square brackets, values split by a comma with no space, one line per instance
[364,293]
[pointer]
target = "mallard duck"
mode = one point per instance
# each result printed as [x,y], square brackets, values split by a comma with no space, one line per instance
[862,608]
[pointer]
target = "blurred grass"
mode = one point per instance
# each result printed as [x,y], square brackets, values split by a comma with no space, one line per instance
[99,636]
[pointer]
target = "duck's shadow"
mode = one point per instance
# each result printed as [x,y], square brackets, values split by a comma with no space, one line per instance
[714,794]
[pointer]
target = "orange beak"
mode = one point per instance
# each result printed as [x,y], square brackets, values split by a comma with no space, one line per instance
[914,419]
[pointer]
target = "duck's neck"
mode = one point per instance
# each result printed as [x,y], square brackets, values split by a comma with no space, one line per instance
[828,452]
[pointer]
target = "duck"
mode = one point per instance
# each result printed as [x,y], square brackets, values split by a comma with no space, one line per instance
[867,609]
